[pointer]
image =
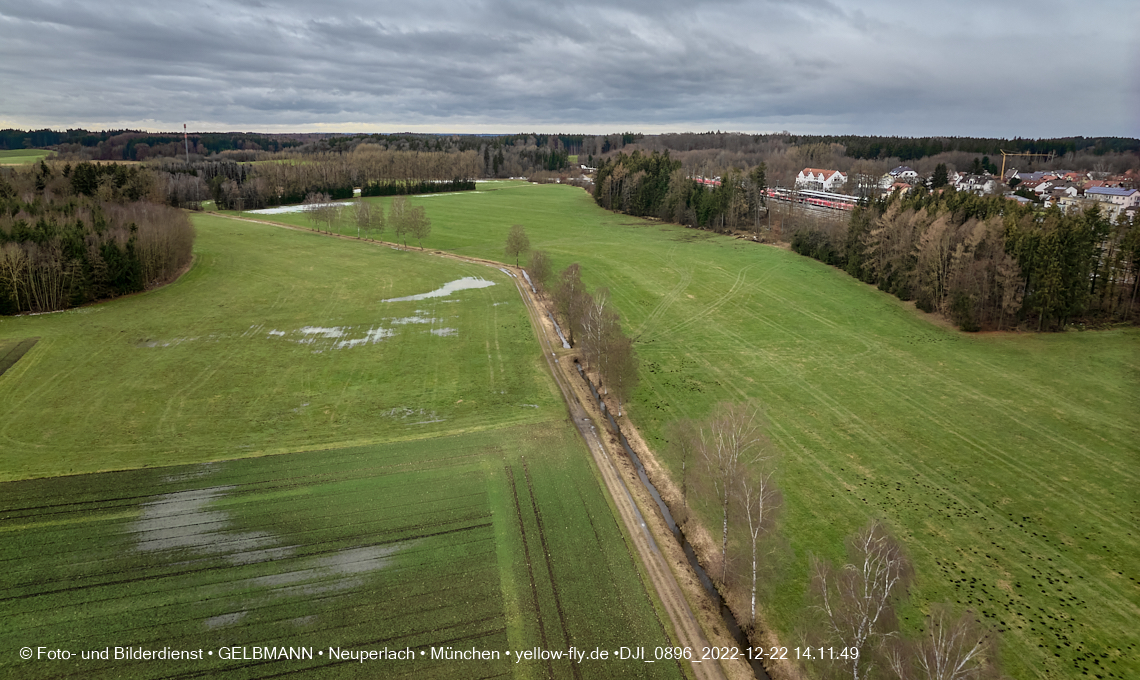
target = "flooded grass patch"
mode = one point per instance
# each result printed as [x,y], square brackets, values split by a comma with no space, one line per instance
[418,541]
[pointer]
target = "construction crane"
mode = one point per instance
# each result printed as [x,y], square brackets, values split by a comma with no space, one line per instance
[1047,156]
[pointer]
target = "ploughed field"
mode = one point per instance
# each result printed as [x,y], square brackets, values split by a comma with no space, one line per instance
[430,491]
[1006,463]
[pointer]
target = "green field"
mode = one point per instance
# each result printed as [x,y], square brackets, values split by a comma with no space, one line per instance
[1006,462]
[431,490]
[23,156]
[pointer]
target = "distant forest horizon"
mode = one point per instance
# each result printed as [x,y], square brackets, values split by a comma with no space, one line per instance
[132,145]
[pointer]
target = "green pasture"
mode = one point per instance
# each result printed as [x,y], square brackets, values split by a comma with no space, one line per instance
[1007,463]
[430,490]
[274,341]
[495,540]
[24,156]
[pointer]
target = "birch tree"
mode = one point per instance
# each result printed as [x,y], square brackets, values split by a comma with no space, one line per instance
[952,648]
[732,437]
[760,499]
[857,599]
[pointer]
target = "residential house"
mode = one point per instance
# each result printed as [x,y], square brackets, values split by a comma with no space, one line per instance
[902,173]
[977,184]
[820,180]
[1117,197]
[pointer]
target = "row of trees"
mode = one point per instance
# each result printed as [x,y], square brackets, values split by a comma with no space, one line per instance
[986,262]
[592,325]
[61,248]
[852,604]
[369,218]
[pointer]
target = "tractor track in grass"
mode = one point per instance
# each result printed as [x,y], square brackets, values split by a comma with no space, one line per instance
[661,567]
[529,568]
[549,565]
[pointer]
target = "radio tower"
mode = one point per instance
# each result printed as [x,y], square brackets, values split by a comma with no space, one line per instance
[186,139]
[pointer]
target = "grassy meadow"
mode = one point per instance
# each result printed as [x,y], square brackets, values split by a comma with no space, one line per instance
[1006,462]
[431,490]
[23,156]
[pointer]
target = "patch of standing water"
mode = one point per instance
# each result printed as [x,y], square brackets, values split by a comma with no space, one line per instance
[289,209]
[180,520]
[413,319]
[328,333]
[466,283]
[557,329]
[373,336]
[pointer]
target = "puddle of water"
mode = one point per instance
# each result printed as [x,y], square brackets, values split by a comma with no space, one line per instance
[328,333]
[412,319]
[529,282]
[466,283]
[373,336]
[558,329]
[225,619]
[180,520]
[288,209]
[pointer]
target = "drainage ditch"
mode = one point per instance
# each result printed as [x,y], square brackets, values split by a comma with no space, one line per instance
[725,613]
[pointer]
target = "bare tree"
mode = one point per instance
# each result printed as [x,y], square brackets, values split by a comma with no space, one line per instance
[398,216]
[362,215]
[760,499]
[684,438]
[313,207]
[732,437]
[539,269]
[856,599]
[517,242]
[953,648]
[419,225]
[598,321]
[621,368]
[570,299]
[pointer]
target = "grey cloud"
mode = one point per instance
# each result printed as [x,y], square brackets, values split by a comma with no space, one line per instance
[863,67]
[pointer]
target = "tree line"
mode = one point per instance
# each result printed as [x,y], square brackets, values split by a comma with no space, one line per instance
[66,240]
[655,185]
[986,262]
[729,470]
[371,222]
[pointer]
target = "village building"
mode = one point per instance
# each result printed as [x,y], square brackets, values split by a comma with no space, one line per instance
[902,173]
[1114,200]
[820,180]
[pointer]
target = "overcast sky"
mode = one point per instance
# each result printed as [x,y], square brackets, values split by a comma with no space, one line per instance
[971,67]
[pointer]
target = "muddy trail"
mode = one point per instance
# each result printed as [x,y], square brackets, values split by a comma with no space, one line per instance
[697,627]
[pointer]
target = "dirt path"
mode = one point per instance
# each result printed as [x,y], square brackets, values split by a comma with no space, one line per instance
[647,531]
